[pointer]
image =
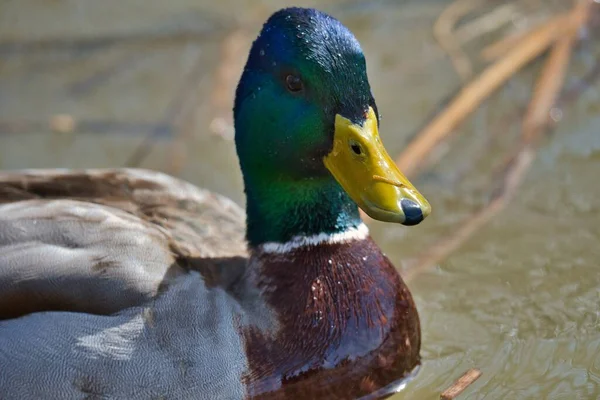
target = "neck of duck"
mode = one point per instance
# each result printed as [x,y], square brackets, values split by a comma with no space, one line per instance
[315,263]
[284,213]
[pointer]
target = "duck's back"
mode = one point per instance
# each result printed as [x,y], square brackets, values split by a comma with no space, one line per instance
[112,286]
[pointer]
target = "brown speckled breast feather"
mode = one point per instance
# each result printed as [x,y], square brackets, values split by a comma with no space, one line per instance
[348,325]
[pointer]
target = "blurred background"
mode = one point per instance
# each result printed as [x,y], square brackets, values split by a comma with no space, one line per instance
[506,270]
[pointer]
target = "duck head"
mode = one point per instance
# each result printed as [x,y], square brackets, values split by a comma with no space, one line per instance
[305,117]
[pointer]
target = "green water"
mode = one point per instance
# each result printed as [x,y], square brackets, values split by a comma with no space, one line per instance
[520,300]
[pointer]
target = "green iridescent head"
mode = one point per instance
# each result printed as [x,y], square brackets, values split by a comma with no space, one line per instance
[307,134]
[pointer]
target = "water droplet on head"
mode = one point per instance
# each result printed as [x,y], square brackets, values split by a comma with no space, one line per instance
[261,52]
[318,316]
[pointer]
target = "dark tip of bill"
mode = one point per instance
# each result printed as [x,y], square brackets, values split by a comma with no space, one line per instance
[412,212]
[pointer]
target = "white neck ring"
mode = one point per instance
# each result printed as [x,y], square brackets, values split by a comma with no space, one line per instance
[359,232]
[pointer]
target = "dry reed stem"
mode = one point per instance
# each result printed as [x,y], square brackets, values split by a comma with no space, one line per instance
[461,384]
[471,96]
[499,48]
[546,90]
[442,30]
[499,16]
[552,76]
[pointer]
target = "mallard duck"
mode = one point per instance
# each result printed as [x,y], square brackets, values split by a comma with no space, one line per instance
[131,284]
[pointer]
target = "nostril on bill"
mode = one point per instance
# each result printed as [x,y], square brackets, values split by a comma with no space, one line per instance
[412,212]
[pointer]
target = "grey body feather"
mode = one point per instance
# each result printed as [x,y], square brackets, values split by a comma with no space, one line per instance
[121,284]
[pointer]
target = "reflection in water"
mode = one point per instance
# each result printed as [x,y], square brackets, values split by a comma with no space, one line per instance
[519,300]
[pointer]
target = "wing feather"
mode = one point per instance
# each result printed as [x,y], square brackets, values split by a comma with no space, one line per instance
[99,241]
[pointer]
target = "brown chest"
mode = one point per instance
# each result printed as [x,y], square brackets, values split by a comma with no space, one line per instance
[347,325]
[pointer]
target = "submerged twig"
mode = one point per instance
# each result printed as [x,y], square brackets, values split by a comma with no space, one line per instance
[461,384]
[446,246]
[102,75]
[575,90]
[67,123]
[177,109]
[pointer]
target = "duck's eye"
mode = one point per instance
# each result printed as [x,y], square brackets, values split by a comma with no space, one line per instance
[294,83]
[356,148]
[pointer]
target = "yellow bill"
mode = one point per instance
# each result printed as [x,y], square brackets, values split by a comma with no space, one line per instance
[362,166]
